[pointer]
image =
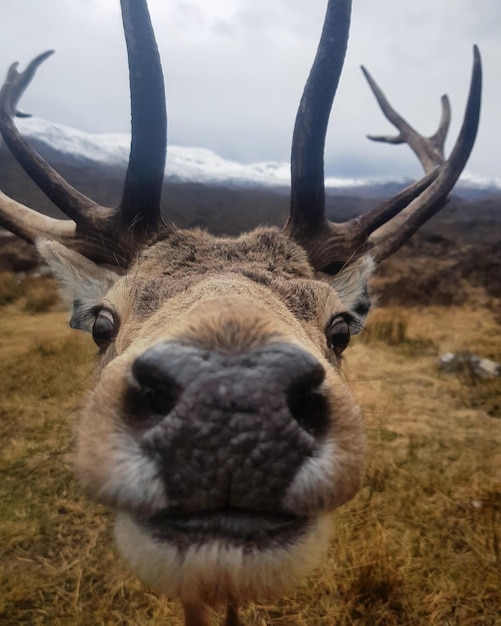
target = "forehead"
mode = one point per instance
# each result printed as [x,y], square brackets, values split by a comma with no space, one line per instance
[185,253]
[190,264]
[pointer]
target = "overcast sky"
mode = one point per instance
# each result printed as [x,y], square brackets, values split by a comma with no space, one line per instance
[235,71]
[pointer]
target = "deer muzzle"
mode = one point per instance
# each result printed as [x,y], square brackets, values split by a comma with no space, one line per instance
[228,433]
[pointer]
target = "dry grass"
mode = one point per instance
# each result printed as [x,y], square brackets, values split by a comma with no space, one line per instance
[36,294]
[419,545]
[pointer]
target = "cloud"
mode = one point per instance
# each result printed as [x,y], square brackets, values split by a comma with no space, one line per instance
[235,71]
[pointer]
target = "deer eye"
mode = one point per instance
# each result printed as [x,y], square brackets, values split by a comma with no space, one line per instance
[338,334]
[104,329]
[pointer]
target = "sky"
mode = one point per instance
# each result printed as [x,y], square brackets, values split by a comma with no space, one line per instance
[235,71]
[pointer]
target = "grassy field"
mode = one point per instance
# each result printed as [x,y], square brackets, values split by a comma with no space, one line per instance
[419,545]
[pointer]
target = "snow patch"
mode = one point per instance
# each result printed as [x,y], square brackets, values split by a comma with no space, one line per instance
[188,164]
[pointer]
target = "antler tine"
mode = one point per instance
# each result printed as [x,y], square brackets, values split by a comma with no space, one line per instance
[429,150]
[145,173]
[307,213]
[388,239]
[31,225]
[74,204]
[19,81]
[438,139]
[388,209]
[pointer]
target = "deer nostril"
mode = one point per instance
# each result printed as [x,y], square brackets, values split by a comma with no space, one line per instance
[154,383]
[162,399]
[307,404]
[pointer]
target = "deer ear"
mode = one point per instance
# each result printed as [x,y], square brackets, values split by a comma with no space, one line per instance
[351,285]
[83,283]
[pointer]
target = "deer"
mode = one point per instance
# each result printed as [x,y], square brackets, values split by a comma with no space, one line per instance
[220,428]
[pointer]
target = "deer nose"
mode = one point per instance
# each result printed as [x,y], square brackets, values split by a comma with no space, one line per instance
[230,429]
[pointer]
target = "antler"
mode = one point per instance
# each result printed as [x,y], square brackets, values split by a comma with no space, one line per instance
[103,234]
[393,234]
[429,150]
[386,227]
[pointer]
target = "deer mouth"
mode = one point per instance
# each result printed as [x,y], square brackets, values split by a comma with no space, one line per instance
[257,529]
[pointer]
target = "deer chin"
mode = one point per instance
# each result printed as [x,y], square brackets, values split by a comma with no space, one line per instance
[213,556]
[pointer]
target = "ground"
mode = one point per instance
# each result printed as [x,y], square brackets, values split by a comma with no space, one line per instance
[420,544]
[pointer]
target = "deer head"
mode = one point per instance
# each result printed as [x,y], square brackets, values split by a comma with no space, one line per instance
[220,428]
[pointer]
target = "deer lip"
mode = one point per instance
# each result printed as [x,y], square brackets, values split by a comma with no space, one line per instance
[257,528]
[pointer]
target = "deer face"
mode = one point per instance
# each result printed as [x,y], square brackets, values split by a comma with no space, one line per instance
[220,428]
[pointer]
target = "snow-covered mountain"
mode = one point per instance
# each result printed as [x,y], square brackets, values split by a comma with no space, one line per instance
[58,142]
[199,165]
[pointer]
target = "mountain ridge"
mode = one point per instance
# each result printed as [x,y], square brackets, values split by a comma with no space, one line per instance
[62,144]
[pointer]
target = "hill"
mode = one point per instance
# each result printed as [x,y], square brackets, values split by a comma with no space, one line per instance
[457,251]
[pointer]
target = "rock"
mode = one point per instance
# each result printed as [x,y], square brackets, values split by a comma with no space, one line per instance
[465,362]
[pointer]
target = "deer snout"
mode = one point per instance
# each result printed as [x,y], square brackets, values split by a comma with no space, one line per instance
[228,430]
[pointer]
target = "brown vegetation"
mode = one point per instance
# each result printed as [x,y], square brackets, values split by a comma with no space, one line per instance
[419,545]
